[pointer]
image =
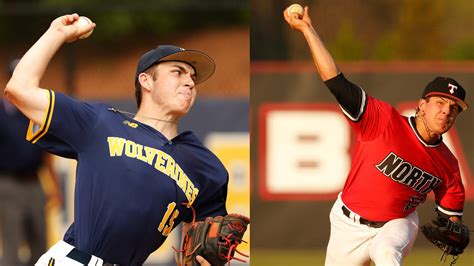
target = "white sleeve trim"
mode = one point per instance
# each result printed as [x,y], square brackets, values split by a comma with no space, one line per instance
[451,213]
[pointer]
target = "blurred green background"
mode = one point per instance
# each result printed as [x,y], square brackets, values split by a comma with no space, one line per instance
[125,30]
[369,29]
[25,20]
[392,49]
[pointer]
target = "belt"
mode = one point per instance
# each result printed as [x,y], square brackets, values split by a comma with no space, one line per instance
[83,257]
[79,256]
[362,220]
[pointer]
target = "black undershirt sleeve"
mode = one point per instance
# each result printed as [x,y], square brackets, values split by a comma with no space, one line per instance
[349,95]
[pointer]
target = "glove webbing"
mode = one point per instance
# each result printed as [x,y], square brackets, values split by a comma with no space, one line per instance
[445,254]
[227,240]
[232,246]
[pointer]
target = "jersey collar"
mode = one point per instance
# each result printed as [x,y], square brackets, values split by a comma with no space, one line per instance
[411,121]
[186,136]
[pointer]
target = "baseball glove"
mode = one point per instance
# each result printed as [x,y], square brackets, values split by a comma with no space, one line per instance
[451,237]
[215,239]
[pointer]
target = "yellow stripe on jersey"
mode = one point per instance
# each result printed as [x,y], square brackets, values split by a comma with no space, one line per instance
[34,134]
[51,262]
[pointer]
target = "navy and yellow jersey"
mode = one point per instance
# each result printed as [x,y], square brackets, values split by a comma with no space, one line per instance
[133,185]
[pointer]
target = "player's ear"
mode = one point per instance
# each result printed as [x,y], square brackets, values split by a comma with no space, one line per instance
[146,81]
[422,104]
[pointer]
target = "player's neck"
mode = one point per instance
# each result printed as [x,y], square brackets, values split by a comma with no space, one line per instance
[425,132]
[166,125]
[169,130]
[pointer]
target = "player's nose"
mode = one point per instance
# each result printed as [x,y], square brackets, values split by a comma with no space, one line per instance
[189,81]
[446,109]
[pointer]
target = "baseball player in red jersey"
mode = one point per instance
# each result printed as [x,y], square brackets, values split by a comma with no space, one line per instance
[397,160]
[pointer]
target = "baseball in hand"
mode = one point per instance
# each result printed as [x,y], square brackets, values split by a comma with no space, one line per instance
[296,8]
[84,21]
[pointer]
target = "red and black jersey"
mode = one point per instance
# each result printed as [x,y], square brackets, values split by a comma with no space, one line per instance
[393,168]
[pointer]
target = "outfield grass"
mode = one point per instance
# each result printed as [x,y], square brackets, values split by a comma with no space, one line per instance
[417,257]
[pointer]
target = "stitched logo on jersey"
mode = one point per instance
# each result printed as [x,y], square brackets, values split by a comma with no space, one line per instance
[403,172]
[162,162]
[130,124]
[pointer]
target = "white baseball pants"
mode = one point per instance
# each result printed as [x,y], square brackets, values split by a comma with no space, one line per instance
[352,243]
[57,255]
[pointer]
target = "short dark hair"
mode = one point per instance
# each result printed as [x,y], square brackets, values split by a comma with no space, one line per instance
[138,94]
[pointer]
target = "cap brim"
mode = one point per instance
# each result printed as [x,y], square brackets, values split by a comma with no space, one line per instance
[201,62]
[458,101]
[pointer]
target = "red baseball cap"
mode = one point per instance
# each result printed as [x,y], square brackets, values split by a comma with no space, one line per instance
[447,87]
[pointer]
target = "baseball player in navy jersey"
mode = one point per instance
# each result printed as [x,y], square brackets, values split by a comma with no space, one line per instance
[137,178]
[397,160]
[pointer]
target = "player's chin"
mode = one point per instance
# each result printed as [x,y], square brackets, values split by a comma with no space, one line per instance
[183,108]
[443,128]
[186,101]
[181,112]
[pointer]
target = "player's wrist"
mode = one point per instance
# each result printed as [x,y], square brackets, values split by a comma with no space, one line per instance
[307,32]
[56,34]
[456,219]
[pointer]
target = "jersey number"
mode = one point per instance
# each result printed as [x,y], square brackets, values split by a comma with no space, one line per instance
[165,227]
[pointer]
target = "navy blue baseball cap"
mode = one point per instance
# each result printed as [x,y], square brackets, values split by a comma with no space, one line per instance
[201,62]
[446,87]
